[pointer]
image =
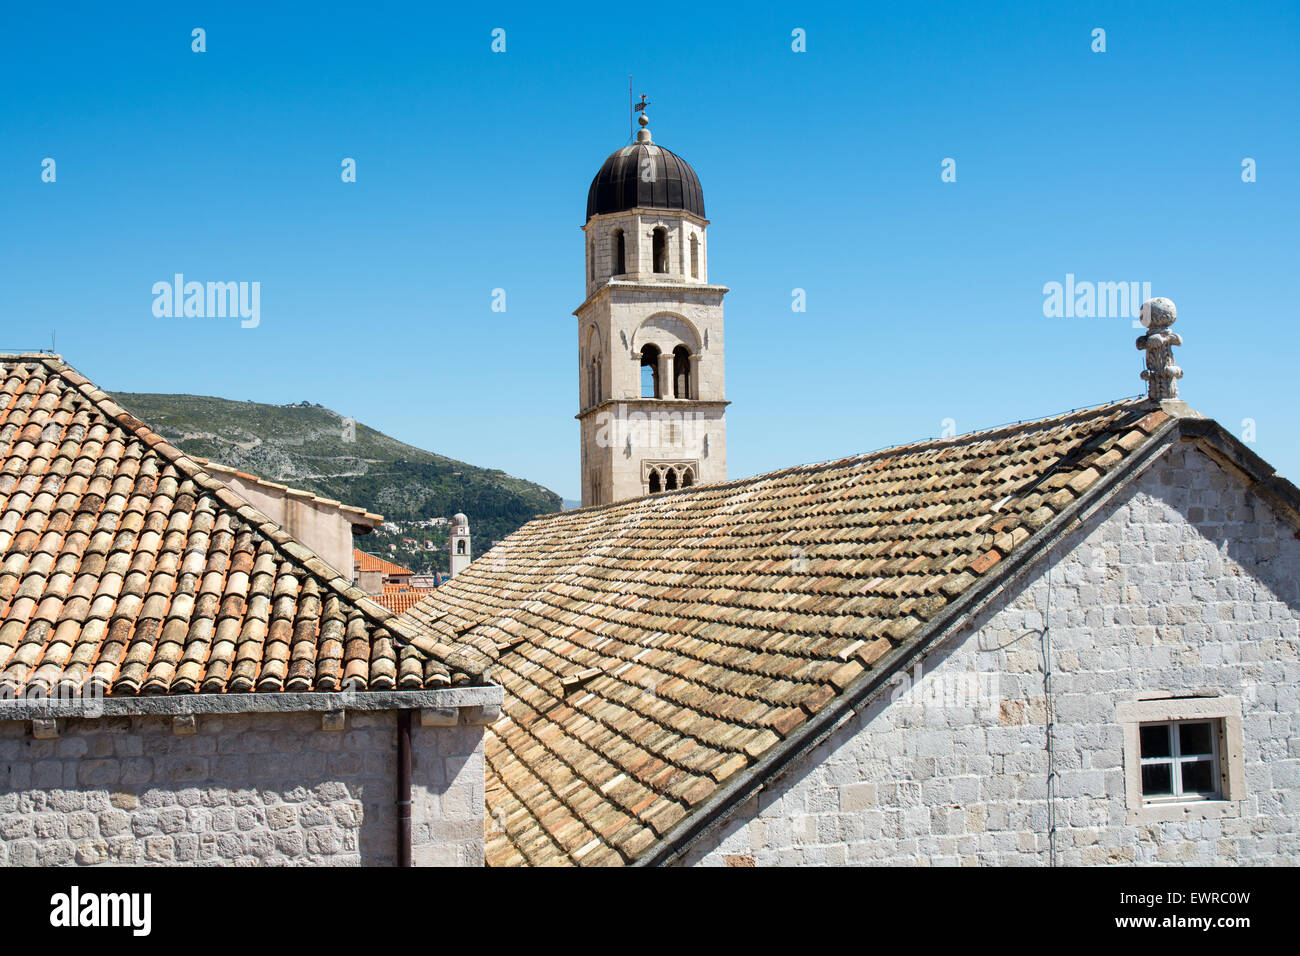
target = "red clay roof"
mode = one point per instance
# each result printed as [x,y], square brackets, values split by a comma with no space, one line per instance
[399,601]
[364,561]
[129,568]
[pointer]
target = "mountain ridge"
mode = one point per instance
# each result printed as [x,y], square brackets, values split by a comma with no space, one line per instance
[315,448]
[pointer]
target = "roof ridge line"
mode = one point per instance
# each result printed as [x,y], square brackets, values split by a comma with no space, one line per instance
[290,489]
[282,540]
[909,448]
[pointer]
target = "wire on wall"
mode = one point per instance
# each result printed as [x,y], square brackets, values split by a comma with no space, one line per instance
[1049,719]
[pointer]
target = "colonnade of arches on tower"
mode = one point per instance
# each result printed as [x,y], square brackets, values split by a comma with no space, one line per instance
[668,363]
[660,258]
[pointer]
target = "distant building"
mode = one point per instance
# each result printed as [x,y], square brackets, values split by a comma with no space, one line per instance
[395,587]
[372,573]
[461,552]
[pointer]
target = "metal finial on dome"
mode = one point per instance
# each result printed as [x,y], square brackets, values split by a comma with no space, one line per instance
[644,175]
[643,134]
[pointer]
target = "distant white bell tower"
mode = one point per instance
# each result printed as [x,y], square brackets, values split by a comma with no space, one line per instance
[650,348]
[461,551]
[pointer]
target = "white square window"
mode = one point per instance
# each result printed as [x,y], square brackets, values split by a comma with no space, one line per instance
[1180,760]
[1183,758]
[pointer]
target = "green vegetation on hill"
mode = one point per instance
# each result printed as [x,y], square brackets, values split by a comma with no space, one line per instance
[311,447]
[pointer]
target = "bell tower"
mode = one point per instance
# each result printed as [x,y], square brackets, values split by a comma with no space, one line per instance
[650,346]
[461,550]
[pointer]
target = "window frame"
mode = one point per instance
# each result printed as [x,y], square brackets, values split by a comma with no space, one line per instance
[1176,760]
[1224,714]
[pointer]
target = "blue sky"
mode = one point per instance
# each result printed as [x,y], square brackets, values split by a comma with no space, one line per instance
[821,171]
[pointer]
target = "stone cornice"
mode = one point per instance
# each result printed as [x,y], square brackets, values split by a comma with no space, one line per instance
[655,404]
[486,696]
[649,212]
[679,290]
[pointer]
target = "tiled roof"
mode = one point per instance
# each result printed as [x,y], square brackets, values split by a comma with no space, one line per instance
[653,650]
[364,561]
[400,600]
[129,567]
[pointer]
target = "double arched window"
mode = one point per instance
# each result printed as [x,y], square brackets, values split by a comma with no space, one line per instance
[651,386]
[666,347]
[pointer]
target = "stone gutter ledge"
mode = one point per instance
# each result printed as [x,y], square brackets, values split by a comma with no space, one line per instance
[472,703]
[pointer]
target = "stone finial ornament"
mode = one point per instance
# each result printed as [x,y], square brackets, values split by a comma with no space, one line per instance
[1161,374]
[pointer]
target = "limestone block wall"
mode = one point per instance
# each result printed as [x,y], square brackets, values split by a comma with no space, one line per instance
[685,432]
[247,789]
[1188,585]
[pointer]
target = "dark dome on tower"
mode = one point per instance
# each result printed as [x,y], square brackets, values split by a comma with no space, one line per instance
[620,185]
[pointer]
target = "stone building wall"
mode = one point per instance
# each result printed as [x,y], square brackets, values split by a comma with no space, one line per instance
[1186,584]
[251,789]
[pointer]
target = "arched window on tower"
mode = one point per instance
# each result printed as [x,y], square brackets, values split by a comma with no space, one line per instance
[460,545]
[591,368]
[618,253]
[650,386]
[660,247]
[682,372]
[670,480]
[655,488]
[695,257]
[591,260]
[688,478]
[600,384]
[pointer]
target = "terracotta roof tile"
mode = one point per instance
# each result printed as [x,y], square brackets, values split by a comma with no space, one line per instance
[399,598]
[128,567]
[364,561]
[709,623]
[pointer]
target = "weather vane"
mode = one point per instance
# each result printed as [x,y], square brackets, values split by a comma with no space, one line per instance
[636,108]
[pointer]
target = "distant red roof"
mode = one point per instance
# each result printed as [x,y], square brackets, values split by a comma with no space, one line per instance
[400,600]
[369,562]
